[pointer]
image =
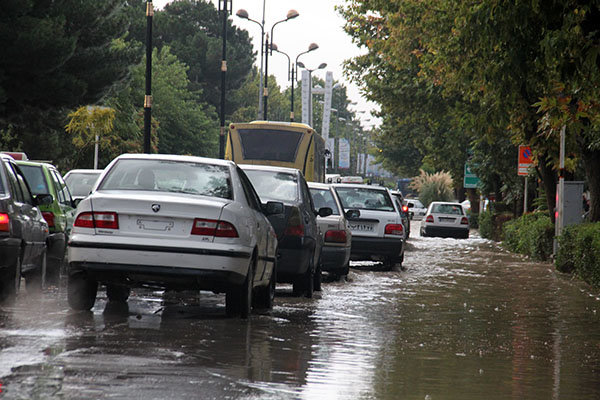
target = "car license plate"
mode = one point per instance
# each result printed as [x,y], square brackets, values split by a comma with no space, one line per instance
[446,219]
[155,225]
[361,227]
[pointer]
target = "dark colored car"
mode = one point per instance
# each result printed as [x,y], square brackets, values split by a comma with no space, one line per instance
[23,232]
[44,179]
[299,237]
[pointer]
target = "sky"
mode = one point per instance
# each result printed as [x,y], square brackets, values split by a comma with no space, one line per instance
[318,22]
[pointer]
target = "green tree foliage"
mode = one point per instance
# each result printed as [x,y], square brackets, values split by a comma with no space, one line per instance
[481,75]
[57,55]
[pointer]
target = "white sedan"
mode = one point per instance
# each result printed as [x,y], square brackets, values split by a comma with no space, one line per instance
[446,220]
[173,222]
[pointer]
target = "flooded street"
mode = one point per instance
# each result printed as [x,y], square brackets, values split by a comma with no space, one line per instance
[464,320]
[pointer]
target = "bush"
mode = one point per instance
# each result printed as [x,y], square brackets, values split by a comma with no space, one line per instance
[491,223]
[473,220]
[579,251]
[532,234]
[433,187]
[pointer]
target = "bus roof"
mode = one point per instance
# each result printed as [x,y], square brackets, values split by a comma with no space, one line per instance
[274,123]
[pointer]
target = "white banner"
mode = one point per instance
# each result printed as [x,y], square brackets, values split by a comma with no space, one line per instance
[344,153]
[327,104]
[305,95]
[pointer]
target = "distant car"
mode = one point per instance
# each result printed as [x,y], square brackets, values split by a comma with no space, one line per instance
[378,233]
[466,204]
[299,237]
[404,213]
[23,232]
[445,219]
[81,182]
[337,237]
[416,209]
[350,179]
[43,178]
[173,222]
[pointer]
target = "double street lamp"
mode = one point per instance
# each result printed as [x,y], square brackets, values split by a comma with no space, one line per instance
[310,71]
[292,71]
[264,52]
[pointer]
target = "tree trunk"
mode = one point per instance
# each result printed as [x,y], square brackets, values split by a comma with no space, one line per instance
[549,180]
[474,199]
[591,160]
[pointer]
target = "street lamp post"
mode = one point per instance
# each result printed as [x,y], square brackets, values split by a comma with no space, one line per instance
[291,14]
[291,71]
[223,77]
[244,15]
[148,94]
[310,71]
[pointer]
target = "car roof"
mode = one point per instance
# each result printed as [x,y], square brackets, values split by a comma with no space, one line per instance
[35,163]
[446,202]
[85,171]
[318,185]
[359,186]
[173,157]
[268,168]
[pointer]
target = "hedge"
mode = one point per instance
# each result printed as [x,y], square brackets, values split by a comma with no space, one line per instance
[491,222]
[532,235]
[579,252]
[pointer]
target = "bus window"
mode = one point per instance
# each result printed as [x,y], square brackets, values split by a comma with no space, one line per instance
[276,145]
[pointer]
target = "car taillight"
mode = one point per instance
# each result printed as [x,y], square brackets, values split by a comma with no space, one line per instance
[429,218]
[212,227]
[97,219]
[49,217]
[394,229]
[4,222]
[464,221]
[336,236]
[295,226]
[405,208]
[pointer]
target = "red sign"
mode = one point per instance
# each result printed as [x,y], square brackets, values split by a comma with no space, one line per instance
[525,160]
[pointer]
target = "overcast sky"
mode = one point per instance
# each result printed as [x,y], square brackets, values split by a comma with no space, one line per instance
[318,22]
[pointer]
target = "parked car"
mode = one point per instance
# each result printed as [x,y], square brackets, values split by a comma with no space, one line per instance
[416,209]
[445,219]
[173,222]
[80,182]
[300,241]
[377,233]
[44,179]
[404,213]
[337,237]
[23,232]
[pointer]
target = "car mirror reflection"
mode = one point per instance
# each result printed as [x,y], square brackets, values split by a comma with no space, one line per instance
[273,207]
[352,214]
[43,199]
[325,212]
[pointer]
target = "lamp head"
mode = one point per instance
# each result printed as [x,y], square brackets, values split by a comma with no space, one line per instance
[322,65]
[300,64]
[313,46]
[273,46]
[292,14]
[242,13]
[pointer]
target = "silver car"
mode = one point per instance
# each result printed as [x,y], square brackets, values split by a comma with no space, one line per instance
[337,237]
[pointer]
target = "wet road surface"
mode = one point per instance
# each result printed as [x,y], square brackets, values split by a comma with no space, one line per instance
[465,320]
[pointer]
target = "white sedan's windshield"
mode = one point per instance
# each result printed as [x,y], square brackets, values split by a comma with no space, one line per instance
[365,199]
[169,176]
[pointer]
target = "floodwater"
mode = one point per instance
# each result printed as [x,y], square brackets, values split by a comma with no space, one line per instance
[464,320]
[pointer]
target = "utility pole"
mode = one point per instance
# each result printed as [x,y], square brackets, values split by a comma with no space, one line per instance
[225,11]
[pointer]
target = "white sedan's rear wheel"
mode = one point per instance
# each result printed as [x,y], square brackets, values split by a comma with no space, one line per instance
[238,300]
[81,292]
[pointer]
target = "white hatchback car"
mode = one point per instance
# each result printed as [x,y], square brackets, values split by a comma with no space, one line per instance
[174,222]
[377,233]
[445,219]
[416,209]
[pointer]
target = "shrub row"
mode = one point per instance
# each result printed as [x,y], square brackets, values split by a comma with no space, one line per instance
[491,222]
[532,235]
[579,252]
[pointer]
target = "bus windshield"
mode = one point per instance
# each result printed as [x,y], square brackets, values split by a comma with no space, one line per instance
[270,144]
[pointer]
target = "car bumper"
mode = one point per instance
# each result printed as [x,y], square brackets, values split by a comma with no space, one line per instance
[161,265]
[334,258]
[9,251]
[446,231]
[294,256]
[366,248]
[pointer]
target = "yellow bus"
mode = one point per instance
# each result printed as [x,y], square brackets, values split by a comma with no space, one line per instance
[281,144]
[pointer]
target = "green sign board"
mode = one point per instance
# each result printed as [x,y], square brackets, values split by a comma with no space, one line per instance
[471,181]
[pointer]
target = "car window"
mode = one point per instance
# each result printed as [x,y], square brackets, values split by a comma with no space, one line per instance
[251,196]
[324,198]
[364,198]
[273,185]
[14,183]
[169,176]
[306,194]
[64,197]
[2,188]
[454,209]
[34,174]
[81,184]
[25,192]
